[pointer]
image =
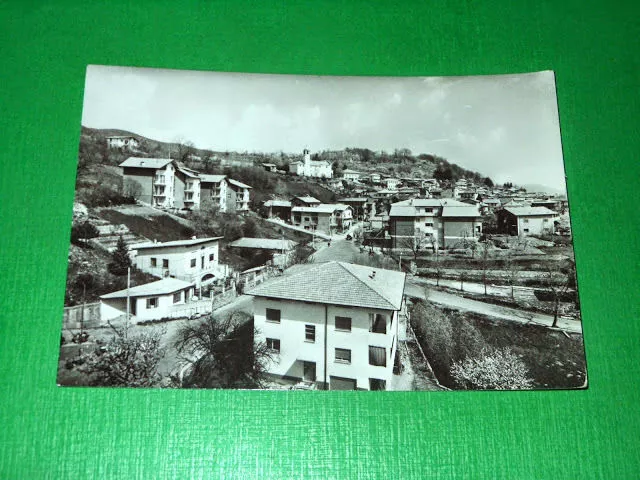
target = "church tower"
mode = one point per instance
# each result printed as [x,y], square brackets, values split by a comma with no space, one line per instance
[307,162]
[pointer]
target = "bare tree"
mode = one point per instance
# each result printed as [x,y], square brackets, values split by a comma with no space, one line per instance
[132,188]
[558,291]
[184,151]
[513,271]
[416,244]
[222,353]
[484,263]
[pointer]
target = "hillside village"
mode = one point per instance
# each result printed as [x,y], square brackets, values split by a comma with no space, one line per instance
[355,269]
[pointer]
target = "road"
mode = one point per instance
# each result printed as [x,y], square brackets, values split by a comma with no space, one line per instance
[524,293]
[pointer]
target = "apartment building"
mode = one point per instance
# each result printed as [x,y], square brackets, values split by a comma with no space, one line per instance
[213,188]
[156,177]
[237,196]
[334,324]
[326,217]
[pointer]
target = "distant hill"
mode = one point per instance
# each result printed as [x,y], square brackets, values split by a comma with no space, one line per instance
[533,187]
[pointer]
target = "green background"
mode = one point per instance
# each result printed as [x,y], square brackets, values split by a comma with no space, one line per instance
[50,432]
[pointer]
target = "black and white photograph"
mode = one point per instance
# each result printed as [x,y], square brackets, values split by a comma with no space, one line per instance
[293,232]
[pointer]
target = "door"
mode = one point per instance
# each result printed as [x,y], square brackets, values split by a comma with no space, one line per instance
[309,371]
[339,383]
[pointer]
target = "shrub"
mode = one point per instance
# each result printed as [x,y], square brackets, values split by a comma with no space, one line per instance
[81,232]
[498,369]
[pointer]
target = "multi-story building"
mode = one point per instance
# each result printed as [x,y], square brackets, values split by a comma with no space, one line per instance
[326,217]
[334,324]
[213,188]
[237,196]
[187,189]
[351,175]
[156,177]
[195,260]
[524,221]
[448,222]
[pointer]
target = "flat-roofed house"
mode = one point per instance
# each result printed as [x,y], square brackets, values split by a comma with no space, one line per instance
[447,221]
[332,324]
[156,177]
[523,221]
[195,260]
[151,301]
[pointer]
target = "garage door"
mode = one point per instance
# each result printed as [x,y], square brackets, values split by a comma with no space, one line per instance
[339,383]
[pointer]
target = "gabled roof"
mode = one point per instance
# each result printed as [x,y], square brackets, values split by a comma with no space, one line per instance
[337,283]
[530,211]
[188,172]
[402,211]
[238,184]
[206,178]
[431,202]
[321,208]
[308,199]
[153,163]
[348,170]
[277,203]
[263,243]
[174,243]
[165,286]
[354,199]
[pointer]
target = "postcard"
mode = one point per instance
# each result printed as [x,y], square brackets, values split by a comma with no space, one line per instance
[286,232]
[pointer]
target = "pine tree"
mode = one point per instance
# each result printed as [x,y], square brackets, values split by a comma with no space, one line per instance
[120,260]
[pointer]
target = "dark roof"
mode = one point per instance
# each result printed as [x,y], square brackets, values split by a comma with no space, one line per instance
[337,283]
[161,287]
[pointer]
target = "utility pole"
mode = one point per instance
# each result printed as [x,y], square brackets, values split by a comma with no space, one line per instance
[126,325]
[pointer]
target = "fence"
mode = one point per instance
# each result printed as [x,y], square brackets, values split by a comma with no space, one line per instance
[81,316]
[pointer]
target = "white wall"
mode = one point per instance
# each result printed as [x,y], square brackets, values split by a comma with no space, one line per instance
[294,349]
[180,260]
[535,225]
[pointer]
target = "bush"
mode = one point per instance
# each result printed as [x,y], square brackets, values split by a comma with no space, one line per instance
[101,196]
[81,232]
[498,369]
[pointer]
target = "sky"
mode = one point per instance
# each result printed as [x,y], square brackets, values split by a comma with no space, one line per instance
[504,126]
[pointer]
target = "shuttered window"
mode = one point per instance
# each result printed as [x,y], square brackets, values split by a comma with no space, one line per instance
[377,323]
[378,356]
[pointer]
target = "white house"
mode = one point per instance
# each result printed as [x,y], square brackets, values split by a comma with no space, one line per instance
[123,141]
[195,260]
[391,183]
[335,324]
[151,301]
[311,168]
[524,221]
[350,175]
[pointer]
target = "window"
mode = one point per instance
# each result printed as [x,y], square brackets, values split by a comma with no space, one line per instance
[165,263]
[211,257]
[378,356]
[428,224]
[152,302]
[343,323]
[273,344]
[343,355]
[154,262]
[377,323]
[193,262]
[177,297]
[428,210]
[545,220]
[526,230]
[310,333]
[526,220]
[377,384]
[273,315]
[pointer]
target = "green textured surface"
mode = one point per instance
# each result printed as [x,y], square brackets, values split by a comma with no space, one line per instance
[50,432]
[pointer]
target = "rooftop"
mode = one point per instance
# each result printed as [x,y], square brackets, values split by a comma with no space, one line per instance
[138,162]
[468,211]
[277,203]
[264,243]
[206,178]
[337,283]
[530,211]
[238,184]
[321,208]
[174,243]
[161,287]
[308,199]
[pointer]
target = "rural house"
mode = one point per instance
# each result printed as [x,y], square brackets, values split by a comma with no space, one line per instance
[333,324]
[278,208]
[523,221]
[350,175]
[305,201]
[151,301]
[279,249]
[357,204]
[195,260]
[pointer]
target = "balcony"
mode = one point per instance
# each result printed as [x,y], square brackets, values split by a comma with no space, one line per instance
[159,193]
[159,181]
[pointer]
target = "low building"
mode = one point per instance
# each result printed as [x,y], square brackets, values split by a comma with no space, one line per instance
[123,141]
[195,260]
[151,301]
[392,183]
[334,324]
[357,204]
[278,209]
[279,249]
[351,175]
[270,167]
[523,221]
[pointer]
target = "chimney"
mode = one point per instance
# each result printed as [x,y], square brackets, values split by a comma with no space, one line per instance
[193,238]
[373,275]
[155,240]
